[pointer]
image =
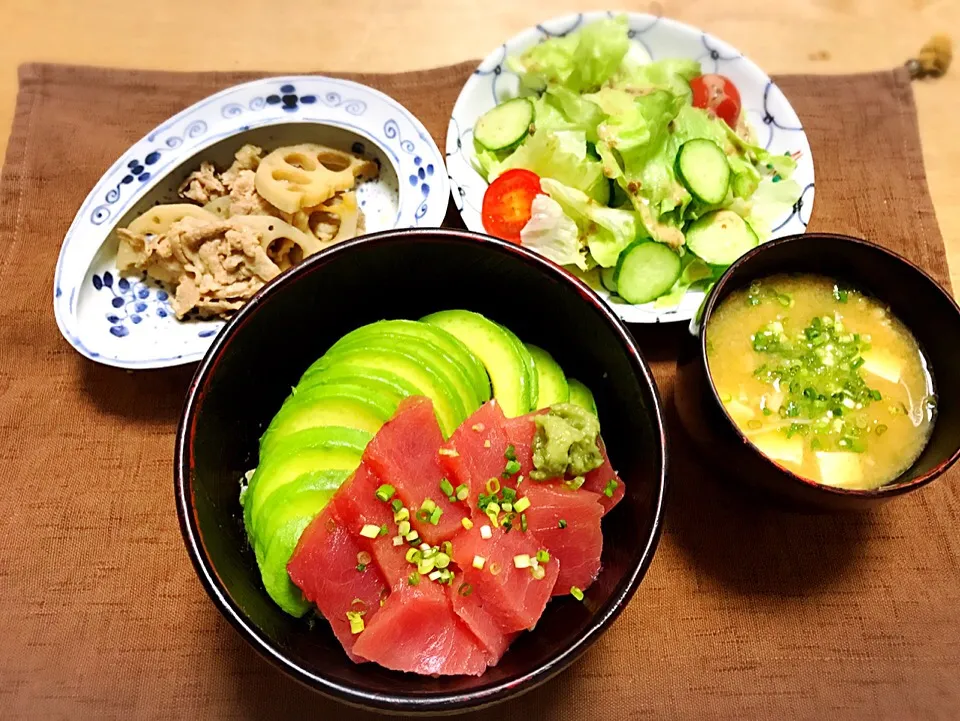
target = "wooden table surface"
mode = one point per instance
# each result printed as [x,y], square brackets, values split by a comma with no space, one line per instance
[790,36]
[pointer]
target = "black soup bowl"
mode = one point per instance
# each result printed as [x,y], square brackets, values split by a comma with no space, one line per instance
[263,351]
[914,297]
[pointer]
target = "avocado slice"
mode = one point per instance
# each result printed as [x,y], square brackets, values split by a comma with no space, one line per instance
[446,403]
[316,449]
[553,386]
[500,354]
[361,376]
[429,354]
[334,404]
[283,519]
[438,337]
[531,367]
[581,396]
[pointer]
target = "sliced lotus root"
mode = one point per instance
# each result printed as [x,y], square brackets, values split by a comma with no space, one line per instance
[285,245]
[302,176]
[338,219]
[155,221]
[220,207]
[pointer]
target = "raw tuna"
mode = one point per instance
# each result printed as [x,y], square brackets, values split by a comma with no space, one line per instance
[404,454]
[358,506]
[324,567]
[421,634]
[511,595]
[578,544]
[597,480]
[475,452]
[470,608]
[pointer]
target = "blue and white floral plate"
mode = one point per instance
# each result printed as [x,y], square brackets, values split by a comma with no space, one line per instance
[127,321]
[656,38]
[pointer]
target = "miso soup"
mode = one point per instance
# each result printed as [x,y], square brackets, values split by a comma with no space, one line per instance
[822,379]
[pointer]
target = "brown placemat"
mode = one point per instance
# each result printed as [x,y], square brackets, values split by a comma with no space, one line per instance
[745,612]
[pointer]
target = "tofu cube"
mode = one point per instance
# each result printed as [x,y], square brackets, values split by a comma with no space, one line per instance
[881,364]
[840,469]
[740,412]
[777,447]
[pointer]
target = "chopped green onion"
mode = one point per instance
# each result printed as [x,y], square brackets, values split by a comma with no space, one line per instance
[511,468]
[523,522]
[466,523]
[435,516]
[485,532]
[356,621]
[610,488]
[576,593]
[543,556]
[465,589]
[493,487]
[478,427]
[434,576]
[521,505]
[402,515]
[396,505]
[478,562]
[538,572]
[428,505]
[507,507]
[413,555]
[383,530]
[511,453]
[370,531]
[519,481]
[575,483]
[412,536]
[448,452]
[361,567]
[881,429]
[413,579]
[494,569]
[425,566]
[385,492]
[446,487]
[403,528]
[447,548]
[398,540]
[875,394]
[561,523]
[462,492]
[486,443]
[754,424]
[363,557]
[493,507]
[521,561]
[442,560]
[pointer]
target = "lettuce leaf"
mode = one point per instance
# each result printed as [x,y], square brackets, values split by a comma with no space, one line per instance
[552,234]
[605,231]
[561,155]
[694,271]
[673,75]
[581,61]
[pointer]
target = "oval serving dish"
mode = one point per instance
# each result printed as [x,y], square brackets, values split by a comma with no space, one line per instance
[126,321]
[766,108]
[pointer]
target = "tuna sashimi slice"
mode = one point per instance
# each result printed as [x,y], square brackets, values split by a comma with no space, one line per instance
[475,452]
[511,595]
[421,634]
[578,544]
[469,607]
[404,454]
[358,506]
[598,479]
[324,567]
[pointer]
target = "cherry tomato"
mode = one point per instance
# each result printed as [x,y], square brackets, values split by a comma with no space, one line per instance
[506,204]
[718,95]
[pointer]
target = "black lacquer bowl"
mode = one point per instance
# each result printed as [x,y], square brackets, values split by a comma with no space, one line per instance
[262,352]
[926,309]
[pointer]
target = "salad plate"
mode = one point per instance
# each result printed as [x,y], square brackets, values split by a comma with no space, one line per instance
[558,65]
[127,319]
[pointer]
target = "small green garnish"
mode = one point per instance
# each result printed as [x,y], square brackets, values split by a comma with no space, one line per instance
[435,516]
[385,492]
[465,589]
[512,467]
[610,488]
[881,429]
[414,579]
[361,567]
[462,492]
[523,522]
[396,505]
[511,453]
[446,488]
[561,523]
[543,556]
[383,530]
[576,593]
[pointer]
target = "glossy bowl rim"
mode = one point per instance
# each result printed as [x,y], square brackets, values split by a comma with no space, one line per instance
[445,702]
[888,490]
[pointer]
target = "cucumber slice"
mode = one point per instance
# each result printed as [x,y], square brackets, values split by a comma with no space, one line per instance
[646,270]
[505,125]
[721,237]
[703,169]
[608,279]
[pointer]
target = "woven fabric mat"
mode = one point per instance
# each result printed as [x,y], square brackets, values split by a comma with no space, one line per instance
[745,613]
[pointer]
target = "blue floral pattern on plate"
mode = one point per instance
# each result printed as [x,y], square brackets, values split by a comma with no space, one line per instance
[102,314]
[768,111]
